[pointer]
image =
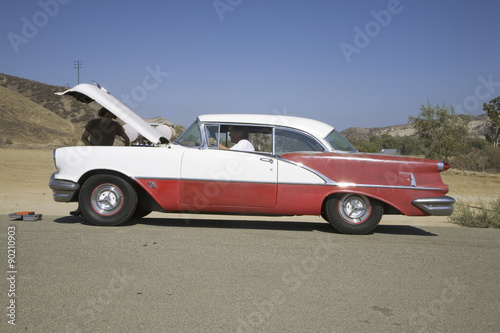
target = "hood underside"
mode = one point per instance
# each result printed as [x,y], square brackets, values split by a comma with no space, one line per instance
[87,93]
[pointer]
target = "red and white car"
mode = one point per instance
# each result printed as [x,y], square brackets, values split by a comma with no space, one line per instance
[299,167]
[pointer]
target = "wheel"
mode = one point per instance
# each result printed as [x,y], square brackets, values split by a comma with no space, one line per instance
[107,200]
[353,213]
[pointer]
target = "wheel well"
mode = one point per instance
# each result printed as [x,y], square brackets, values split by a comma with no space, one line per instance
[89,174]
[388,209]
[145,200]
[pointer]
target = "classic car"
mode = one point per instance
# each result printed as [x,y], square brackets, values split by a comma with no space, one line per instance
[299,166]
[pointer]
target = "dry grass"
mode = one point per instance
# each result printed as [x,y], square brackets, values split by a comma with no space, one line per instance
[31,113]
[472,186]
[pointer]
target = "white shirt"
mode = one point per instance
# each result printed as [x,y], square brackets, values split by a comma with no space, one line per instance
[243,145]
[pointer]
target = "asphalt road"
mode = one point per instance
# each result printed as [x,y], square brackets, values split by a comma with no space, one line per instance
[177,274]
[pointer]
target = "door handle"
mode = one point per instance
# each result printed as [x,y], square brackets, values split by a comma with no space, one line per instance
[264,159]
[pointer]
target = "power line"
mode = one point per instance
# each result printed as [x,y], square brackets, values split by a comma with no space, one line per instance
[78,65]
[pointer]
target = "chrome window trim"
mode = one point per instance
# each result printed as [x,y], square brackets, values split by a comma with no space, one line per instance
[204,133]
[204,144]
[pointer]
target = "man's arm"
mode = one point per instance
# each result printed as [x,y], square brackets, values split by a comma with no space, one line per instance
[85,138]
[126,139]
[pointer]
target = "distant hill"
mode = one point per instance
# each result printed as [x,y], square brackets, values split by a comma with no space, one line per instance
[31,113]
[159,120]
[477,129]
[44,95]
[24,121]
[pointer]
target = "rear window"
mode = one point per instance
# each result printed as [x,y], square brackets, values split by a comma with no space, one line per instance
[291,141]
[338,142]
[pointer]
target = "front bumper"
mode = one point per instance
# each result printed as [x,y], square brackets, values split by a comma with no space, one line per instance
[64,190]
[438,206]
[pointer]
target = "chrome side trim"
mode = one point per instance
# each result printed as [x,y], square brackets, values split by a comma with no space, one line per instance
[327,180]
[391,186]
[413,183]
[438,206]
[330,182]
[227,181]
[63,190]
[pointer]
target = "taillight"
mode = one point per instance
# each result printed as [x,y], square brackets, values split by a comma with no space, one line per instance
[443,166]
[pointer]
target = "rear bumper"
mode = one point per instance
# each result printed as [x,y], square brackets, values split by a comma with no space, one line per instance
[438,206]
[64,190]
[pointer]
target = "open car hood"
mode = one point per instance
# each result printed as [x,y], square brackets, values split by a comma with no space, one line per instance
[87,93]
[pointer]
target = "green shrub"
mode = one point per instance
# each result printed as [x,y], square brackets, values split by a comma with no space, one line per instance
[480,215]
[407,145]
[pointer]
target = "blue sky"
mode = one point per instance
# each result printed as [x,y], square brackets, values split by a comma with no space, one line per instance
[348,63]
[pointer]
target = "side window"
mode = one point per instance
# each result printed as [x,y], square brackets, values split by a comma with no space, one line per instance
[262,139]
[213,135]
[287,141]
[259,136]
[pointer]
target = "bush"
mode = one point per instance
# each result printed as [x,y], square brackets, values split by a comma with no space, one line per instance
[6,141]
[479,216]
[406,145]
[486,159]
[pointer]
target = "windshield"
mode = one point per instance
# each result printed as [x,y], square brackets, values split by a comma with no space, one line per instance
[338,142]
[191,137]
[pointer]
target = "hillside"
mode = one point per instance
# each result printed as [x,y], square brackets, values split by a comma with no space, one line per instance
[43,94]
[477,128]
[23,121]
[31,113]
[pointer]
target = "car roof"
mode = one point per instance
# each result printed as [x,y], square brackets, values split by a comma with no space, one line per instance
[317,128]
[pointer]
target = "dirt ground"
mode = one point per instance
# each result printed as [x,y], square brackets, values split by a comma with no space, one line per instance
[25,173]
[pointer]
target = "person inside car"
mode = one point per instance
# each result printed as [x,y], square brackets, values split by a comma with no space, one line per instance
[239,135]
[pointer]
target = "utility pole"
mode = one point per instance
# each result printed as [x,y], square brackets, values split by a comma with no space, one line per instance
[78,65]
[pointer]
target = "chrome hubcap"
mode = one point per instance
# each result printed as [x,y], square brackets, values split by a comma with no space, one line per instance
[107,199]
[354,208]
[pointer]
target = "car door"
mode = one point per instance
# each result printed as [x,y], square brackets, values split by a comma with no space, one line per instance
[213,179]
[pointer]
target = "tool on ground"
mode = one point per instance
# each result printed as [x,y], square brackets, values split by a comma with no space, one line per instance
[26,216]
